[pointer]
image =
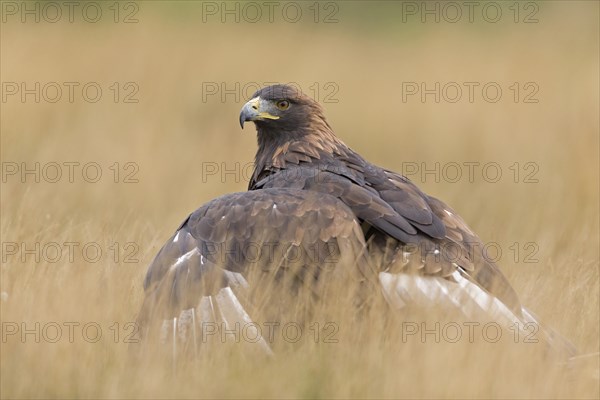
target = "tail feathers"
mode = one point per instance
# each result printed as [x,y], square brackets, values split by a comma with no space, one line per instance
[470,301]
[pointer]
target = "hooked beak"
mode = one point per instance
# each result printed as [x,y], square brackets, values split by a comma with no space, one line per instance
[256,109]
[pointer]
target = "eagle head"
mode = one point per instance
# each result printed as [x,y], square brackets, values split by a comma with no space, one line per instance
[282,109]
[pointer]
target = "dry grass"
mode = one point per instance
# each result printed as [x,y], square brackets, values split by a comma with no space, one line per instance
[171,132]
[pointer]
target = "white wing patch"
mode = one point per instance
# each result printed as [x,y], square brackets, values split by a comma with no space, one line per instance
[212,322]
[402,290]
[182,259]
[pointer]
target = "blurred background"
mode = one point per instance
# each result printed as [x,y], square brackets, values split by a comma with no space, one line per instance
[120,118]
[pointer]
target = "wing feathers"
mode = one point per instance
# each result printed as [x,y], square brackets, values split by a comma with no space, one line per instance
[233,243]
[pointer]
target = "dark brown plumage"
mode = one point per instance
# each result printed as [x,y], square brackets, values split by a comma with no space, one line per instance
[352,225]
[305,154]
[254,242]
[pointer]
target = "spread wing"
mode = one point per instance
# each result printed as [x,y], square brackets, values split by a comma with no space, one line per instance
[405,228]
[267,252]
[423,252]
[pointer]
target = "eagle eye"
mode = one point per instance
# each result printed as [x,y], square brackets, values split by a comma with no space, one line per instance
[283,104]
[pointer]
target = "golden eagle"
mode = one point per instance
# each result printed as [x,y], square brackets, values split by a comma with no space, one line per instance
[318,221]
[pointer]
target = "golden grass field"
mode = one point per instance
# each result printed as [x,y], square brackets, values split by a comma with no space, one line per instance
[177,130]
